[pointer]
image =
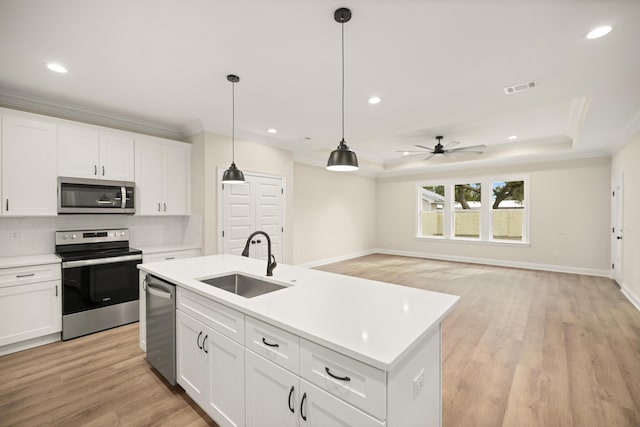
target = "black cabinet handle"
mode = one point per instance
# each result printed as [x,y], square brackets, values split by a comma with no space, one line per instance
[304,417]
[269,344]
[203,345]
[335,376]
[291,394]
[198,340]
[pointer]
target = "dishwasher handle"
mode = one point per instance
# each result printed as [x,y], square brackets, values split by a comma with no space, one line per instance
[157,292]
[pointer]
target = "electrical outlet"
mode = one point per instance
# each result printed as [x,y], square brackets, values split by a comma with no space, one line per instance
[15,234]
[418,383]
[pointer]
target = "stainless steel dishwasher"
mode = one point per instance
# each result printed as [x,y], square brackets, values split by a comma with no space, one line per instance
[161,326]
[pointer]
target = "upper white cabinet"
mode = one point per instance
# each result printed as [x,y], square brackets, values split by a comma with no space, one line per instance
[29,153]
[85,152]
[163,177]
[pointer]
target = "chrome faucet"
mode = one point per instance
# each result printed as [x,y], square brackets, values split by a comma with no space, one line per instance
[271,259]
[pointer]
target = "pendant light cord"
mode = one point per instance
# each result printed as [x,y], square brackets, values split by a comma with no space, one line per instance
[233,122]
[342,25]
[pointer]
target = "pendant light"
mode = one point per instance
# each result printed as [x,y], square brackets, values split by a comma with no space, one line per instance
[233,175]
[342,159]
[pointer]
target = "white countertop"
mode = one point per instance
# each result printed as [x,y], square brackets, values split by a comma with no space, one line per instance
[166,248]
[374,322]
[21,261]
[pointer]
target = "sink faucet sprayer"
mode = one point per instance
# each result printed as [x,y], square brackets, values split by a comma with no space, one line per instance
[271,259]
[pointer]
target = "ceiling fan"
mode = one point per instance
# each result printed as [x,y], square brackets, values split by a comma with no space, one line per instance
[445,150]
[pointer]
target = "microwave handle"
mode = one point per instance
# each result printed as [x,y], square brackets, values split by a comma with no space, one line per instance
[123,202]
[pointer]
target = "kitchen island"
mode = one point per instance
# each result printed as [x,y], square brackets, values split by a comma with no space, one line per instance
[325,350]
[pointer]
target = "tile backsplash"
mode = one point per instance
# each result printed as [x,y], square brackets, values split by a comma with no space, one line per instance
[35,235]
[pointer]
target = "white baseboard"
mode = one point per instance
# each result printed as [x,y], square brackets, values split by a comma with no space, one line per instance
[500,263]
[34,342]
[336,259]
[633,298]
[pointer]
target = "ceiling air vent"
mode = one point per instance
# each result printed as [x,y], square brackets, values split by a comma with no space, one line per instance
[519,87]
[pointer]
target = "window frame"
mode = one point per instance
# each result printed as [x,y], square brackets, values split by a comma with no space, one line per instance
[486,210]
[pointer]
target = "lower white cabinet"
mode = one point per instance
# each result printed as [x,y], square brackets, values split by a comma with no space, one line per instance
[30,311]
[210,367]
[275,397]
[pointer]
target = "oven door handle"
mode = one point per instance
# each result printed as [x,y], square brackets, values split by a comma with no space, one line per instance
[86,262]
[158,293]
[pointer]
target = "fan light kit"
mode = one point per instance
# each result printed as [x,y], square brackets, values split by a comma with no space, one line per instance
[445,150]
[233,175]
[342,159]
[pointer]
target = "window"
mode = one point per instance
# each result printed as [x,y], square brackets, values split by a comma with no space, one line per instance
[431,222]
[507,210]
[486,209]
[466,213]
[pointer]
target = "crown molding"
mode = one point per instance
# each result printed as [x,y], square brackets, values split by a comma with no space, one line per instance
[68,111]
[577,115]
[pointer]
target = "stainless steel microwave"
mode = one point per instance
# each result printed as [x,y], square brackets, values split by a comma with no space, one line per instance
[95,196]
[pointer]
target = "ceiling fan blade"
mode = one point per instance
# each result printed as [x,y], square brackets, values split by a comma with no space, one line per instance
[410,151]
[428,157]
[451,156]
[471,147]
[452,144]
[422,146]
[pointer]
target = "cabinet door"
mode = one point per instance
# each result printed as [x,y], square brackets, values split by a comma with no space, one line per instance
[191,361]
[271,394]
[226,380]
[320,409]
[29,167]
[176,179]
[78,152]
[148,174]
[30,311]
[116,158]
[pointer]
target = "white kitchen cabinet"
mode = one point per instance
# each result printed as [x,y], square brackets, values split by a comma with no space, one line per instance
[155,257]
[163,177]
[210,367]
[85,152]
[29,153]
[276,397]
[30,306]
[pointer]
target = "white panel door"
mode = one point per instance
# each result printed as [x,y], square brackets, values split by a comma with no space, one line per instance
[78,152]
[175,183]
[238,207]
[148,177]
[191,360]
[29,167]
[320,409]
[271,394]
[617,228]
[258,204]
[226,380]
[116,158]
[269,194]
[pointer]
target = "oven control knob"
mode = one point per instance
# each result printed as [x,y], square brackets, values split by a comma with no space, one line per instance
[122,233]
[73,236]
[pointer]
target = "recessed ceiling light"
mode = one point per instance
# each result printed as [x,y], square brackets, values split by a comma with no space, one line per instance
[272,130]
[512,137]
[374,100]
[599,32]
[58,68]
[406,153]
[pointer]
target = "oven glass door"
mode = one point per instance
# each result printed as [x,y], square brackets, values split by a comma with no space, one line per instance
[93,286]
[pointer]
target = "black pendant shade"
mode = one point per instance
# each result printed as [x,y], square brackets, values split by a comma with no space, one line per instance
[233,175]
[342,159]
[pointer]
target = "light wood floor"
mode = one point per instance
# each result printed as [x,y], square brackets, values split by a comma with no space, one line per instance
[521,348]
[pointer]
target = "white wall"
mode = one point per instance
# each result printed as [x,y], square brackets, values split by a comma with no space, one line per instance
[334,214]
[211,151]
[626,161]
[569,211]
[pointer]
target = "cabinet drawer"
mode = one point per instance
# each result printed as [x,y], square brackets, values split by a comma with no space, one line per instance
[272,343]
[29,274]
[167,256]
[355,382]
[225,320]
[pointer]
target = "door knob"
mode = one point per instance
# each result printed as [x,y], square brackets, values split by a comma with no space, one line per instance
[619,237]
[253,242]
[258,241]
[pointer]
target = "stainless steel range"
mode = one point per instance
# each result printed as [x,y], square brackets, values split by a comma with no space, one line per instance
[99,280]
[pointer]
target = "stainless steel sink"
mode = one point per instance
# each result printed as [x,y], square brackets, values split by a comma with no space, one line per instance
[242,285]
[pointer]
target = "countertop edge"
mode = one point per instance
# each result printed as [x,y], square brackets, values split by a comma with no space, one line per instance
[29,260]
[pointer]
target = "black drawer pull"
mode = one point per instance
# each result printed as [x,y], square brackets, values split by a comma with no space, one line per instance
[335,376]
[304,417]
[291,394]
[198,340]
[269,344]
